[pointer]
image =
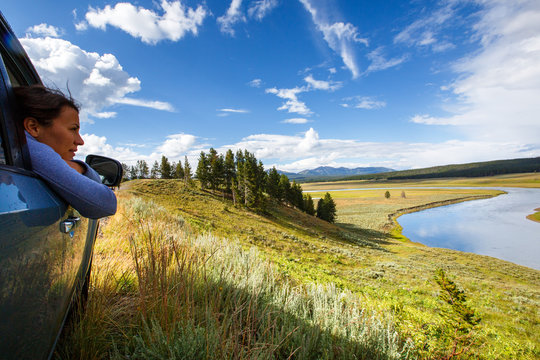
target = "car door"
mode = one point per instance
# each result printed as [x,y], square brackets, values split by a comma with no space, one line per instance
[43,248]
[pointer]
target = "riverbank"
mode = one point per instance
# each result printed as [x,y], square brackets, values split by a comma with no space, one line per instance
[535,217]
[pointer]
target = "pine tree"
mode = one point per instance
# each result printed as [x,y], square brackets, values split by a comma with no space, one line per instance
[165,168]
[155,173]
[125,169]
[309,206]
[326,208]
[142,169]
[216,169]
[179,171]
[187,172]
[284,188]
[132,172]
[272,184]
[296,195]
[229,170]
[203,173]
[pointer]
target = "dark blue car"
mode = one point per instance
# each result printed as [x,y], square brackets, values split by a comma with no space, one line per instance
[45,245]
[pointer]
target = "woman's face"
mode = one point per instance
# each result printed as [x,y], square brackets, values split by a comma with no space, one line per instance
[63,135]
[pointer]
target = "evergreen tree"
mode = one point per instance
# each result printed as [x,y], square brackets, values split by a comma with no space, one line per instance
[272,184]
[216,169]
[309,205]
[165,168]
[132,172]
[125,169]
[239,185]
[296,195]
[326,208]
[155,173]
[142,169]
[229,170]
[179,171]
[203,173]
[187,171]
[284,188]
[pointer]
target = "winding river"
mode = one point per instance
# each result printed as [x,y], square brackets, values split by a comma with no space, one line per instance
[495,227]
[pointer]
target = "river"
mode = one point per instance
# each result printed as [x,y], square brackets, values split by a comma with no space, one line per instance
[495,227]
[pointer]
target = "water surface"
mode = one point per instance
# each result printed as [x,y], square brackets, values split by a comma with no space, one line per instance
[495,227]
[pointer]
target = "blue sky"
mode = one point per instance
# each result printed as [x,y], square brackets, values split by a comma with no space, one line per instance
[301,83]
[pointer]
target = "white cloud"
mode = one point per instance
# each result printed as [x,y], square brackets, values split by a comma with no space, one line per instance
[424,31]
[379,62]
[153,104]
[321,84]
[295,121]
[44,30]
[498,87]
[238,111]
[94,144]
[255,83]
[309,150]
[176,21]
[177,145]
[96,81]
[292,104]
[260,8]
[232,16]
[363,102]
[339,36]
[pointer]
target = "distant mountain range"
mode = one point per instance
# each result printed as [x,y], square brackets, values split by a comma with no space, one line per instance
[325,172]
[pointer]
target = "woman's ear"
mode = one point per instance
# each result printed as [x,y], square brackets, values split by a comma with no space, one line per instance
[32,126]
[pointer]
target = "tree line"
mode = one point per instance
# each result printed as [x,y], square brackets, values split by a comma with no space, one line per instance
[239,176]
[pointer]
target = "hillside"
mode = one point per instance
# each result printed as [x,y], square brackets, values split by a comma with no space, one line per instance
[389,275]
[477,169]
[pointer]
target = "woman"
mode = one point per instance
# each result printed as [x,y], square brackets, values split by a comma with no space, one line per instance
[51,124]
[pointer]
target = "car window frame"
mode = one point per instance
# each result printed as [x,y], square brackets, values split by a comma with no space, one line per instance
[13,55]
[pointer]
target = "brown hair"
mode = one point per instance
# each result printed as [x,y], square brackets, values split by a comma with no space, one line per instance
[42,103]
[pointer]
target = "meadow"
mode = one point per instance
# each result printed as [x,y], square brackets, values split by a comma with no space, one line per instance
[181,272]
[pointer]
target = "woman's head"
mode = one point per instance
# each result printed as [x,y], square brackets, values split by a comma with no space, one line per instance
[50,117]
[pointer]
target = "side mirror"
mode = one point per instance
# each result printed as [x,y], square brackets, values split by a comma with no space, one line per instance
[109,170]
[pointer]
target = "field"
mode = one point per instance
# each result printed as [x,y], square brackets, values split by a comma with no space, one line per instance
[385,280]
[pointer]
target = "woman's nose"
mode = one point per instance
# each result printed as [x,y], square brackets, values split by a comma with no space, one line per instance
[79,140]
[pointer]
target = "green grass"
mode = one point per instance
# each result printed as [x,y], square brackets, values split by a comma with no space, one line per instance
[388,279]
[535,216]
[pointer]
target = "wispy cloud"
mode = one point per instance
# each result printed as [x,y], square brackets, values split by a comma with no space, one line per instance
[321,84]
[296,121]
[232,16]
[427,31]
[363,102]
[340,37]
[255,83]
[173,24]
[260,8]
[379,62]
[228,111]
[153,104]
[495,95]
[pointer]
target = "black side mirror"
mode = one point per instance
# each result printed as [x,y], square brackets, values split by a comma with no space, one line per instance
[109,170]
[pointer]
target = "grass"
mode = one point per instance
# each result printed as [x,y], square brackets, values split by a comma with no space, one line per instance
[535,216]
[362,259]
[159,291]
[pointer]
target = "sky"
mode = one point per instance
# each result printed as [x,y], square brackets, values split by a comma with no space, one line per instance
[299,83]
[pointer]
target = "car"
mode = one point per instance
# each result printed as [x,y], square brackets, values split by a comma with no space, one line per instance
[46,246]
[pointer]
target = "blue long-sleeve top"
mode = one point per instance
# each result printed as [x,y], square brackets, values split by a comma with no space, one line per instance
[84,192]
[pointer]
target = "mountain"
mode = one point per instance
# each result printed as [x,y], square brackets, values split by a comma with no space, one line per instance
[326,172]
[477,169]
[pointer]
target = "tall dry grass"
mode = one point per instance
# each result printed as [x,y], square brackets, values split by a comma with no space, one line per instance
[159,292]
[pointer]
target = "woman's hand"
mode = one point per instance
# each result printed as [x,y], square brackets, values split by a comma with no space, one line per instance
[75,165]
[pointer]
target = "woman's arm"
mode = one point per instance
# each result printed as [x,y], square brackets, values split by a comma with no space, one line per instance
[82,191]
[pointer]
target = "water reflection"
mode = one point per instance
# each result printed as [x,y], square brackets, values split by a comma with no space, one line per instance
[496,227]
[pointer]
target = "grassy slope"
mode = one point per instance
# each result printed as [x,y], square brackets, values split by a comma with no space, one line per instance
[389,275]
